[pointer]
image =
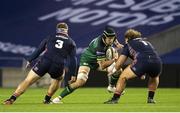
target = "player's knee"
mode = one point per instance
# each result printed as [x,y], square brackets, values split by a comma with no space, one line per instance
[78,83]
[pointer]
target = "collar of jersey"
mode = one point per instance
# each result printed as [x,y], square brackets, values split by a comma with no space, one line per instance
[61,36]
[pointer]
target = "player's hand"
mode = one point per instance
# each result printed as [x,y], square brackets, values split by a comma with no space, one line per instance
[73,79]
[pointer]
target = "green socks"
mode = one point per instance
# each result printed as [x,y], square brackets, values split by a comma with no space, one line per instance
[68,90]
[114,78]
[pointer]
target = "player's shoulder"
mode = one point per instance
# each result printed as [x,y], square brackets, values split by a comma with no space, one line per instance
[47,39]
[97,41]
[72,41]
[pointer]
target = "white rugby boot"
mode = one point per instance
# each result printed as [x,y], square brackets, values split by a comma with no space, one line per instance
[112,89]
[57,100]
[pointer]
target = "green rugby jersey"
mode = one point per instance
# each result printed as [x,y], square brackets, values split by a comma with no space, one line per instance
[94,52]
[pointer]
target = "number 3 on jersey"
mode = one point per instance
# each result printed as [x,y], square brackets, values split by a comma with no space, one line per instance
[59,44]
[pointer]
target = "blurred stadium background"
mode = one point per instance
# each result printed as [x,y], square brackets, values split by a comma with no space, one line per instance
[23,24]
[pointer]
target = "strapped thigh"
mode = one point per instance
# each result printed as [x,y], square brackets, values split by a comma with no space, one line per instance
[83,75]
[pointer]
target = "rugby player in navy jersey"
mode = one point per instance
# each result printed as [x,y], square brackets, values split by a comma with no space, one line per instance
[145,62]
[93,58]
[55,50]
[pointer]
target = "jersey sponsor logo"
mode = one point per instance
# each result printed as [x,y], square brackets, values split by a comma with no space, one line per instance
[100,53]
[85,63]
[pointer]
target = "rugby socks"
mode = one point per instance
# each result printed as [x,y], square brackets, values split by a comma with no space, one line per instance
[68,90]
[13,97]
[47,98]
[151,94]
[113,79]
[116,96]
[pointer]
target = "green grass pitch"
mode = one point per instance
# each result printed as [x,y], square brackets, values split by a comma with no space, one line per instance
[91,100]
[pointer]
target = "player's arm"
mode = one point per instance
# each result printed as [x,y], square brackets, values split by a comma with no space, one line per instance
[102,60]
[122,58]
[73,64]
[38,51]
[103,63]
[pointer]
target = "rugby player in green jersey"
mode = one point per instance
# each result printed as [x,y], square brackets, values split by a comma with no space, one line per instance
[94,57]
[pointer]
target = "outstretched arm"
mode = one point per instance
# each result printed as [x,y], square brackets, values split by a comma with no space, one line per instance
[73,63]
[38,51]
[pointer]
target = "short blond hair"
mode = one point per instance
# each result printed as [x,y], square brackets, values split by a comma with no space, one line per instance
[62,25]
[62,28]
[132,33]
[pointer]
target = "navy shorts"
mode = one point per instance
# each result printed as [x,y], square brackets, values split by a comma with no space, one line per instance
[151,67]
[44,65]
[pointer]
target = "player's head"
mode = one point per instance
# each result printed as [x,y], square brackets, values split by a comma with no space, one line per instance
[62,28]
[109,36]
[131,34]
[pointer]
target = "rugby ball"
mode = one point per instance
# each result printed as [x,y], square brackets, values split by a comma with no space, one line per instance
[111,53]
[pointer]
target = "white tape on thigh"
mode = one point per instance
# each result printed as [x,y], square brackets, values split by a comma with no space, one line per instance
[82,76]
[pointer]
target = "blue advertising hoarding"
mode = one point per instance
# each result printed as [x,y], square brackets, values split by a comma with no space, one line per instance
[23,24]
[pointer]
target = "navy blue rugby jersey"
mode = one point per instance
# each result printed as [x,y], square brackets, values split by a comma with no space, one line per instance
[55,48]
[139,48]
